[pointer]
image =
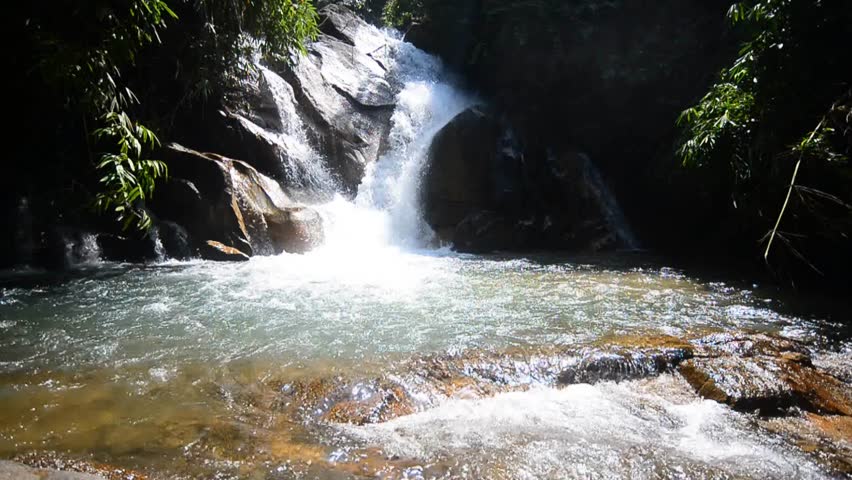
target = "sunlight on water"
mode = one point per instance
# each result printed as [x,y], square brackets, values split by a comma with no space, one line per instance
[214,370]
[639,430]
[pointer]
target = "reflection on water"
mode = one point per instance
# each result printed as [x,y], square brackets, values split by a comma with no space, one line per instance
[189,368]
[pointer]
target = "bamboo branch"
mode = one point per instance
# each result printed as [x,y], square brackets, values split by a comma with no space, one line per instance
[790,191]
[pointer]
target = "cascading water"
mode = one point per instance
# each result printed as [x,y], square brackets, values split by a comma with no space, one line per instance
[385,212]
[303,167]
[608,204]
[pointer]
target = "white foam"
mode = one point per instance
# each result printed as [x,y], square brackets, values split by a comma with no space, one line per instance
[642,429]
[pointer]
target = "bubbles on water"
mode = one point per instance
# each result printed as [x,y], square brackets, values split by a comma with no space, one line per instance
[641,429]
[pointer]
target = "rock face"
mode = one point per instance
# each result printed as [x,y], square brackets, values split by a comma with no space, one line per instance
[317,121]
[604,77]
[484,191]
[457,181]
[227,208]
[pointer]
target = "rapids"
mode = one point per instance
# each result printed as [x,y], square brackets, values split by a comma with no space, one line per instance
[188,369]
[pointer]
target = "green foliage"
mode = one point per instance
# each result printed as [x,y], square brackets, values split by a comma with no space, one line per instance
[721,122]
[758,120]
[85,54]
[283,25]
[755,94]
[399,13]
[128,179]
[96,56]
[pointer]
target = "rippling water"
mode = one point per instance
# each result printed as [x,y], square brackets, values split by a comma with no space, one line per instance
[299,308]
[173,367]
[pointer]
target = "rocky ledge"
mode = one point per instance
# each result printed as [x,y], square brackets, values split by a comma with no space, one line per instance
[228,210]
[767,376]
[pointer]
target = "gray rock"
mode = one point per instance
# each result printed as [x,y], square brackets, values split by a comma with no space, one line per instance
[237,207]
[347,105]
[16,471]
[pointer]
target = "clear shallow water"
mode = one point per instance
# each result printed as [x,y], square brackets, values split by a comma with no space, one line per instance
[352,307]
[177,368]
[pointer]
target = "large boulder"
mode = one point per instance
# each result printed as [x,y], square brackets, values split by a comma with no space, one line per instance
[483,191]
[458,178]
[606,77]
[215,198]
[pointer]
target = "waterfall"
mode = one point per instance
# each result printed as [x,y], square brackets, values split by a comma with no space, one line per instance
[302,165]
[386,210]
[157,243]
[608,204]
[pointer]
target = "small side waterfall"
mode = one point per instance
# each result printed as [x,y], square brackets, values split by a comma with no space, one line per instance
[608,204]
[302,165]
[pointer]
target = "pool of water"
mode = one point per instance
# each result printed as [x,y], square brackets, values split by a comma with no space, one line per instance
[177,369]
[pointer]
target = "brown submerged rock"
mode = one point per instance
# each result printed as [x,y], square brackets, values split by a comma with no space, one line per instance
[54,466]
[17,471]
[387,403]
[827,438]
[759,372]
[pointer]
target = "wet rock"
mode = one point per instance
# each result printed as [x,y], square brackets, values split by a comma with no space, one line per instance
[758,372]
[603,366]
[483,232]
[837,364]
[457,180]
[340,22]
[295,230]
[659,342]
[828,439]
[17,471]
[222,253]
[175,240]
[232,204]
[483,190]
[130,247]
[336,101]
[383,404]
[53,466]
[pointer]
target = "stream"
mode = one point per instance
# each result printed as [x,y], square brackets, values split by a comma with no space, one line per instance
[214,370]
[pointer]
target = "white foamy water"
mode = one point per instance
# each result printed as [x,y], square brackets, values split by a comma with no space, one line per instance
[644,429]
[386,211]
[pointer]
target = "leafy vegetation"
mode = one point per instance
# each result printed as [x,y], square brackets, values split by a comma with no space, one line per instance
[101,57]
[773,114]
[128,178]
